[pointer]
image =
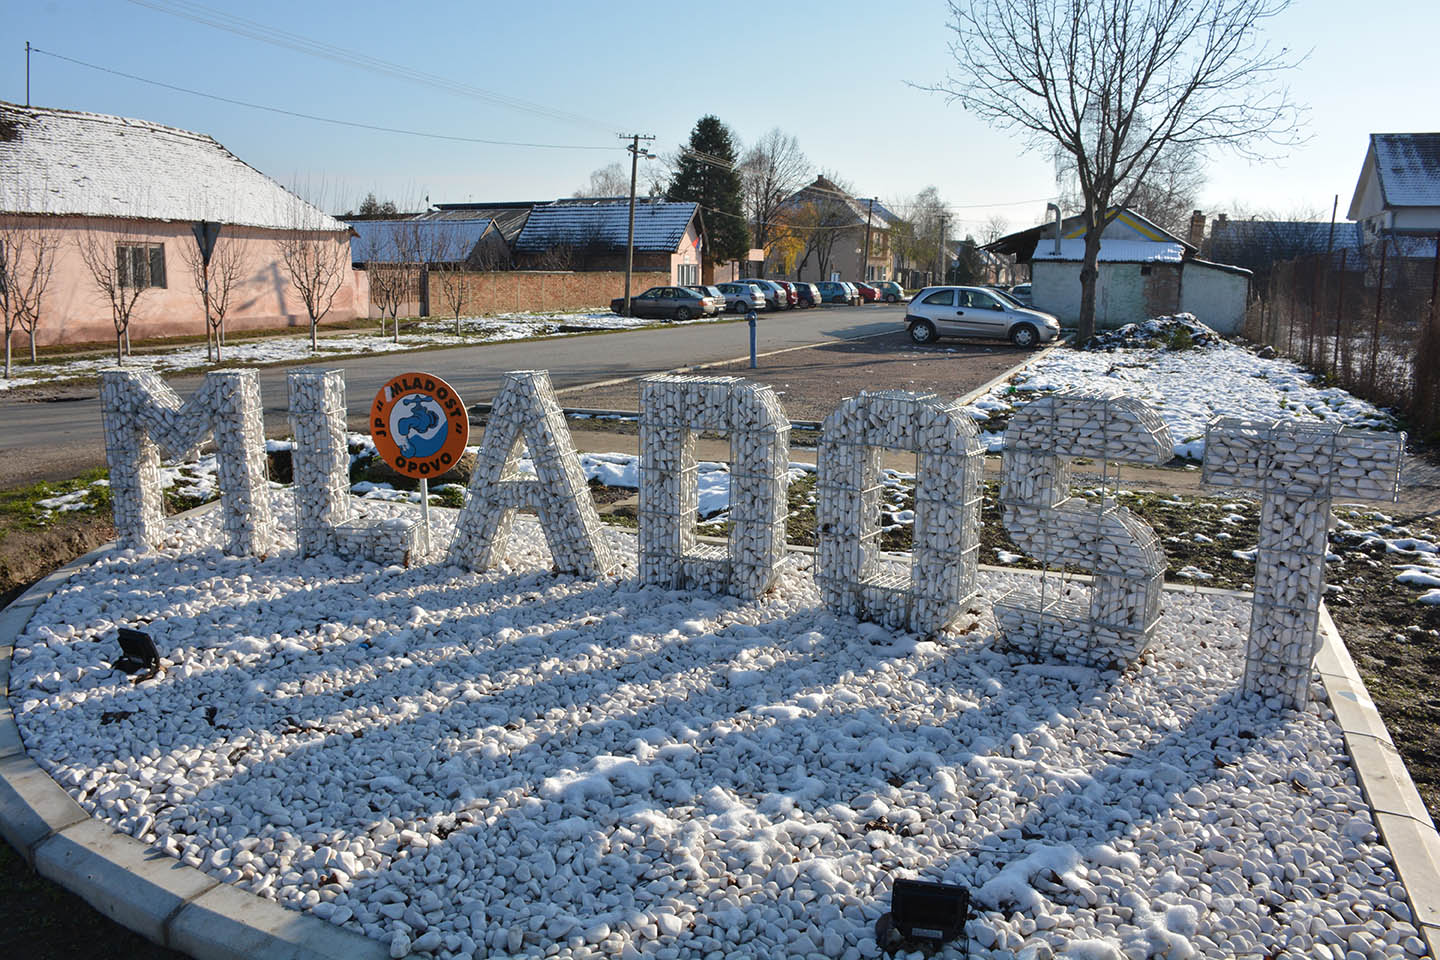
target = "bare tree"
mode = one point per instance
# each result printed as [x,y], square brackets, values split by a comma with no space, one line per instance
[771,172]
[1166,196]
[316,259]
[993,229]
[215,283]
[27,259]
[387,288]
[451,254]
[1115,84]
[917,238]
[123,265]
[609,181]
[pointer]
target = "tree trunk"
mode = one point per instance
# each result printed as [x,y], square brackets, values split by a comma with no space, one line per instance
[119,348]
[314,342]
[218,340]
[7,354]
[32,345]
[1089,276]
[457,324]
[395,327]
[127,339]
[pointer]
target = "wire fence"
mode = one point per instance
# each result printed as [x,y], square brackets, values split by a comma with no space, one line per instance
[1365,319]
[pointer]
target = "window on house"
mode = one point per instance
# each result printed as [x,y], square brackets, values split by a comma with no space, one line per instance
[687,274]
[1145,271]
[140,265]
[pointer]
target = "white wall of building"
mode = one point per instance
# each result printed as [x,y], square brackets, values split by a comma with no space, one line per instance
[1119,292]
[1216,297]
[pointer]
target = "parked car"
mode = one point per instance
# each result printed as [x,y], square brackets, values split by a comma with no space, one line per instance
[740,297]
[775,296]
[976,312]
[890,291]
[1021,292]
[713,298]
[663,303]
[853,291]
[791,294]
[808,293]
[868,294]
[833,291]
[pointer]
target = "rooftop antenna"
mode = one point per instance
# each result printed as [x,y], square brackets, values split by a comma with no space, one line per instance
[27,73]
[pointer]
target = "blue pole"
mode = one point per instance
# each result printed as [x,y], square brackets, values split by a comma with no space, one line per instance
[750,319]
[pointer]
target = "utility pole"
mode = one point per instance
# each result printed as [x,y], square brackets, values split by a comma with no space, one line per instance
[635,153]
[944,260]
[869,212]
[27,73]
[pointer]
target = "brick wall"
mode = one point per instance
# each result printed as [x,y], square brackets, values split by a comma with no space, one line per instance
[523,290]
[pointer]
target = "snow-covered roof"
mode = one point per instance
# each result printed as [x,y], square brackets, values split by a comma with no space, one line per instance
[1113,251]
[411,240]
[1408,166]
[64,162]
[659,225]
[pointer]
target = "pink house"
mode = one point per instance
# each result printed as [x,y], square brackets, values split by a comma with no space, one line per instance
[134,189]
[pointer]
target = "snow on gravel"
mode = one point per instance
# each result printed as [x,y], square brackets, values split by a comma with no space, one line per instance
[1188,388]
[462,765]
[476,330]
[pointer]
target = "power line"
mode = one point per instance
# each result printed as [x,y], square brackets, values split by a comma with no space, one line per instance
[254,30]
[319,119]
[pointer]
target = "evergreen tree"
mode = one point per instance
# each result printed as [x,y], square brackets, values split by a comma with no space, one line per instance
[700,177]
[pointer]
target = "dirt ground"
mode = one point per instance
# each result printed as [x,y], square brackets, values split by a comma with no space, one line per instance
[810,382]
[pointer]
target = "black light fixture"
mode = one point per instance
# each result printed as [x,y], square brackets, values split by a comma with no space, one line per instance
[138,651]
[924,910]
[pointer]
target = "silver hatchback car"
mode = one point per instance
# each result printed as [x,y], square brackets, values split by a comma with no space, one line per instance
[976,312]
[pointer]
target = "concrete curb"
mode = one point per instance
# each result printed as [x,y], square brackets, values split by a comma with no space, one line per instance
[186,909]
[130,882]
[1400,815]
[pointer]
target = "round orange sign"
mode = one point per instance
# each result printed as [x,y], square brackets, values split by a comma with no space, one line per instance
[419,425]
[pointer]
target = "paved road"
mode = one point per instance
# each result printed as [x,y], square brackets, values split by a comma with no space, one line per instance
[56,439]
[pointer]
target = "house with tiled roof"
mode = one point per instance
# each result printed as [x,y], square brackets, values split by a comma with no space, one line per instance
[590,235]
[1398,193]
[1144,271]
[138,188]
[851,235]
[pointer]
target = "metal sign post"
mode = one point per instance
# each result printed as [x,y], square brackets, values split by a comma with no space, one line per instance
[750,319]
[420,427]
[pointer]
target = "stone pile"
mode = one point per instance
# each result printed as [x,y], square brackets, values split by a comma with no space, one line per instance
[143,417]
[325,519]
[1298,468]
[945,555]
[1056,528]
[672,409]
[526,409]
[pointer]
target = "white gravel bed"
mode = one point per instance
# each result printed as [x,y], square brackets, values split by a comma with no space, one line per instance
[467,765]
[1187,388]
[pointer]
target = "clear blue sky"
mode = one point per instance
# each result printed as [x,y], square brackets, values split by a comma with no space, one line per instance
[834,75]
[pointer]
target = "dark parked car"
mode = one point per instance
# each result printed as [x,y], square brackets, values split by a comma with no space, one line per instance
[663,303]
[808,293]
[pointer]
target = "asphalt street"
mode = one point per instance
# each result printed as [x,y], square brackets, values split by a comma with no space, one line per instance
[53,440]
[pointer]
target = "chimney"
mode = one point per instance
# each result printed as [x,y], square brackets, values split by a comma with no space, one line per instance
[1222,223]
[1197,228]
